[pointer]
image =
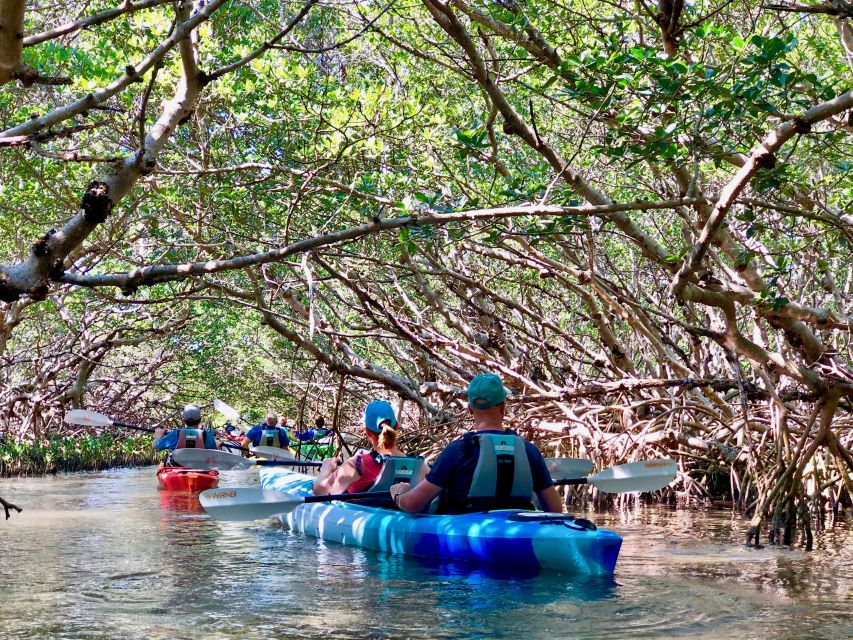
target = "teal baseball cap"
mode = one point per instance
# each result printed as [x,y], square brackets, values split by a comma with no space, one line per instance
[378,412]
[486,391]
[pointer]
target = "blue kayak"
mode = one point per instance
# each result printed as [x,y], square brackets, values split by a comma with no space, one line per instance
[511,539]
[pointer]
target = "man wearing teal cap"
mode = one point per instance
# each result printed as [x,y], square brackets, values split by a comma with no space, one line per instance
[453,472]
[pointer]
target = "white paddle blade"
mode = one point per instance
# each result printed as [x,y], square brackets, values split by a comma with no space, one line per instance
[87,418]
[350,438]
[226,410]
[568,468]
[272,453]
[645,475]
[247,503]
[210,459]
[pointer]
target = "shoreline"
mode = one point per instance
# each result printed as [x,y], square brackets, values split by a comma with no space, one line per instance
[68,455]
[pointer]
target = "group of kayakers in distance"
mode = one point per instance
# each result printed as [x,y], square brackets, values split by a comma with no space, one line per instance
[487,468]
[270,433]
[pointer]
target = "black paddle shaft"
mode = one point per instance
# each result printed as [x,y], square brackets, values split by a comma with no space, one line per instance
[132,426]
[571,481]
[349,496]
[286,463]
[380,494]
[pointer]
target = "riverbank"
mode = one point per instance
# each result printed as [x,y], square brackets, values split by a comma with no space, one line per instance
[80,453]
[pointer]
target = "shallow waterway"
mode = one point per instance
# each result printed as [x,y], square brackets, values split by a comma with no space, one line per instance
[107,555]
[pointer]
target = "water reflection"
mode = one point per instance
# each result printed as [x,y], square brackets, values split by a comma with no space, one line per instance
[176,502]
[108,556]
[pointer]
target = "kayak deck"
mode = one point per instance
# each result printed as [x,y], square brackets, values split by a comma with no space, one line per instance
[188,480]
[510,539]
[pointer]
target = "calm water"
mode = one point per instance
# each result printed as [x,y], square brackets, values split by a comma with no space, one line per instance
[106,555]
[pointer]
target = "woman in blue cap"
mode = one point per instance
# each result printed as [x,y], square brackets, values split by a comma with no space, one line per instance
[359,472]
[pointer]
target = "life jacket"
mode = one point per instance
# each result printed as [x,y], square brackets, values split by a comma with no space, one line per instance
[396,470]
[190,439]
[270,438]
[502,478]
[368,465]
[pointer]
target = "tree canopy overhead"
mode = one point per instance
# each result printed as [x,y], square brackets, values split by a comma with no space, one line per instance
[638,214]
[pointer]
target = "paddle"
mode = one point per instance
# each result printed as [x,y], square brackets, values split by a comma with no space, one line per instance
[229,412]
[568,467]
[562,468]
[234,445]
[272,453]
[93,419]
[645,475]
[253,504]
[212,459]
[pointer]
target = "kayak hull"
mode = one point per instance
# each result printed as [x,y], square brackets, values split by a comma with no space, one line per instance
[511,539]
[186,480]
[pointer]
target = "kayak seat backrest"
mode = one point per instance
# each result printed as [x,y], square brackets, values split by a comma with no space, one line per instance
[270,438]
[396,470]
[190,439]
[502,478]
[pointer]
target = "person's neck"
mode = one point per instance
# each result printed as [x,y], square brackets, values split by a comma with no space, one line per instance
[488,424]
[374,444]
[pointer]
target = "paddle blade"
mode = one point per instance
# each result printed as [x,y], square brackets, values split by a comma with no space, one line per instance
[87,418]
[566,468]
[226,410]
[234,446]
[247,503]
[210,459]
[645,475]
[272,453]
[350,438]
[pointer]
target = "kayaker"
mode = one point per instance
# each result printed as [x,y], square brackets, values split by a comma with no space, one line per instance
[512,468]
[359,472]
[189,436]
[268,434]
[318,431]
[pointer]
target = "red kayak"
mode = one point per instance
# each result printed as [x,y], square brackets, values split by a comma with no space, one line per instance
[188,480]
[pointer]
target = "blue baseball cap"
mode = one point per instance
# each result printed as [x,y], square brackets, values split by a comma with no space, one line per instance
[486,391]
[378,412]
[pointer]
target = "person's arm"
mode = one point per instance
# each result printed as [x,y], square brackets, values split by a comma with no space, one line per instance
[335,478]
[282,435]
[165,442]
[550,500]
[159,432]
[413,500]
[438,477]
[425,469]
[543,484]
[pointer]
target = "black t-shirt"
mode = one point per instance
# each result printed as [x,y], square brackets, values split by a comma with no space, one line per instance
[453,470]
